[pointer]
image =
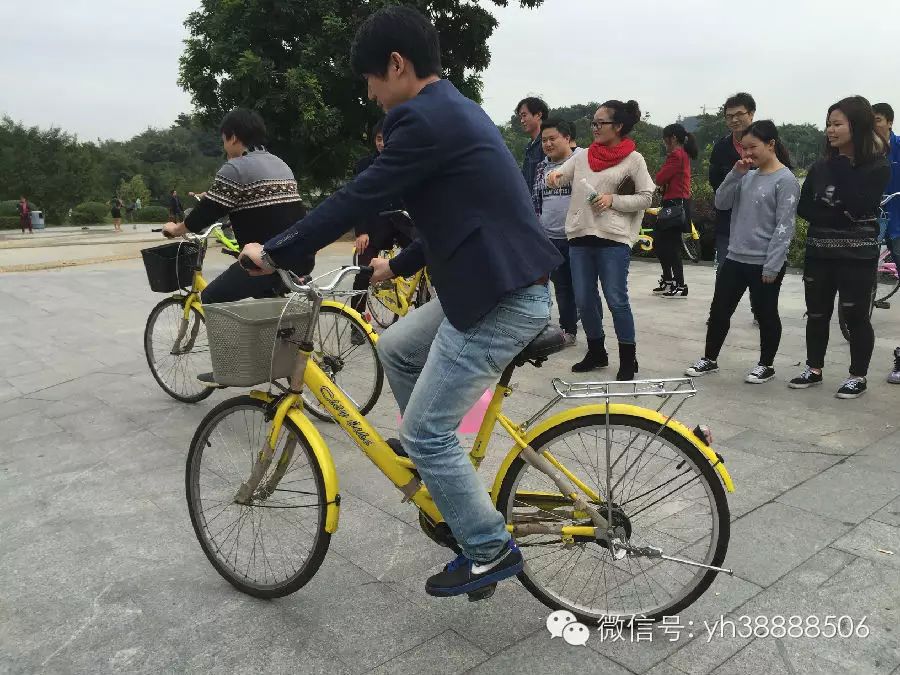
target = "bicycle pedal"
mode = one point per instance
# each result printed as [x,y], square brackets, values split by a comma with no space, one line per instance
[482,593]
[882,304]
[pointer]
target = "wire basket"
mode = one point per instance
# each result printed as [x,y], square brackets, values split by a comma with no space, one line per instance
[252,342]
[170,266]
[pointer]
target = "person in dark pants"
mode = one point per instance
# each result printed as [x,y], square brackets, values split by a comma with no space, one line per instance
[376,233]
[840,199]
[552,205]
[763,204]
[487,256]
[259,193]
[739,111]
[532,112]
[176,208]
[675,178]
[24,215]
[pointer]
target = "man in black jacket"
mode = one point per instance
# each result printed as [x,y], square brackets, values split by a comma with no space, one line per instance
[739,111]
[376,233]
[487,256]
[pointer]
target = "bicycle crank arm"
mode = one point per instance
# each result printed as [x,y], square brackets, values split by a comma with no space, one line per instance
[653,552]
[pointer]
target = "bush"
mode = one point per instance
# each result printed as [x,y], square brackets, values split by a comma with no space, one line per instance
[9,222]
[798,244]
[90,213]
[152,214]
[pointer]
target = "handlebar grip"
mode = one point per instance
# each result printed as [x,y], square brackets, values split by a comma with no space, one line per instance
[248,264]
[367,270]
[233,254]
[156,229]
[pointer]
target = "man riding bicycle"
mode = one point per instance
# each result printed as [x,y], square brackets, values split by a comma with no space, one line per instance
[258,191]
[487,255]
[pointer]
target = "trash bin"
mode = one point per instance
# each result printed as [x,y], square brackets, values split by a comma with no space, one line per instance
[37,220]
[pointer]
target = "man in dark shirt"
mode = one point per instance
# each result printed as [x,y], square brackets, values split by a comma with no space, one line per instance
[739,111]
[532,112]
[258,191]
[488,259]
[176,210]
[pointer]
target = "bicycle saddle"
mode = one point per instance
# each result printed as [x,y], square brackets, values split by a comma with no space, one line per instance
[549,341]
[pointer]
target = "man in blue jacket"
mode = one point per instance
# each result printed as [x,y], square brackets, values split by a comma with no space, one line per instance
[487,256]
[884,123]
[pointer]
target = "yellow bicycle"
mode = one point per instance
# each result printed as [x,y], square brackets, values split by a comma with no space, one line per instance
[619,510]
[690,241]
[177,347]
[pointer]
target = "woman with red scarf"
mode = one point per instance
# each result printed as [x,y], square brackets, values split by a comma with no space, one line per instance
[610,190]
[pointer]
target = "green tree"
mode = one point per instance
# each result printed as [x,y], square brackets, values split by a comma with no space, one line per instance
[135,188]
[291,62]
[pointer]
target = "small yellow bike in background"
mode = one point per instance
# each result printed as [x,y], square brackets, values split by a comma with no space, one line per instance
[619,510]
[177,346]
[690,241]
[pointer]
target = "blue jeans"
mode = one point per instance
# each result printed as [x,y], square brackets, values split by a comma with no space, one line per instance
[437,373]
[563,289]
[609,265]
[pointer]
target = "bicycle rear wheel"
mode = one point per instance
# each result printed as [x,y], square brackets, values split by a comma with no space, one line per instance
[274,542]
[665,494]
[345,352]
[382,314]
[175,366]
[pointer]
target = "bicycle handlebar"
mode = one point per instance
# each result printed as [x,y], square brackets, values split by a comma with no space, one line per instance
[396,212]
[306,283]
[192,236]
[888,198]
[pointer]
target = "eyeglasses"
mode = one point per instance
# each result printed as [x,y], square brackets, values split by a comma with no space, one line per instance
[734,116]
[598,124]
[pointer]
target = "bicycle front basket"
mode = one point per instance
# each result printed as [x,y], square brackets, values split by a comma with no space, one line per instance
[170,266]
[252,341]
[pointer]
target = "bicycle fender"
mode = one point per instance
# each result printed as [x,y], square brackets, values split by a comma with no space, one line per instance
[356,316]
[614,409]
[323,457]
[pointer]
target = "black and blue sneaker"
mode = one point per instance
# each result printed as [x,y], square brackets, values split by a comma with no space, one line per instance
[478,580]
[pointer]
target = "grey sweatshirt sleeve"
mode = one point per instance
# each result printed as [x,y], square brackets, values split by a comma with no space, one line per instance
[787,194]
[728,192]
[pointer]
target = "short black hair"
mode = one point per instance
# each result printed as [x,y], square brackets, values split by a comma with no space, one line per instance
[396,29]
[245,125]
[379,125]
[885,110]
[564,128]
[535,105]
[742,98]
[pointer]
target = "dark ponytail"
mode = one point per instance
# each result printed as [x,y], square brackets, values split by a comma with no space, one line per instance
[680,134]
[766,131]
[627,114]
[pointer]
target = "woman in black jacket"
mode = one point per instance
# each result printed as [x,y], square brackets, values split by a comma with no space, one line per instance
[840,200]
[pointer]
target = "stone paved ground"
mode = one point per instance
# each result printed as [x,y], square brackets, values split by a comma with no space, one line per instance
[101,571]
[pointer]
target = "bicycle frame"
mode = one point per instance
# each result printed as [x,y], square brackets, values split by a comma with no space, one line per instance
[399,470]
[397,295]
[645,236]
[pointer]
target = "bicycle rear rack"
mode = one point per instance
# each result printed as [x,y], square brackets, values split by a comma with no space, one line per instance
[666,389]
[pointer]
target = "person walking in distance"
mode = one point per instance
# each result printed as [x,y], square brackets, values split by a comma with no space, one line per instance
[739,111]
[532,112]
[840,200]
[552,205]
[176,209]
[761,192]
[24,214]
[115,210]
[674,177]
[611,188]
[884,123]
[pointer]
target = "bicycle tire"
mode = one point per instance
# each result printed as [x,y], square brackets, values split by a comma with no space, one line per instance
[198,392]
[202,444]
[687,453]
[691,249]
[381,314]
[331,362]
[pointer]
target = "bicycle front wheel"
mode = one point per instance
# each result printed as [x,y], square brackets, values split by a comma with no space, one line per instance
[272,542]
[346,353]
[664,494]
[177,350]
[691,248]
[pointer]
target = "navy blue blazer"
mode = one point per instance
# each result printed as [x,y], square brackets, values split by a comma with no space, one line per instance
[478,232]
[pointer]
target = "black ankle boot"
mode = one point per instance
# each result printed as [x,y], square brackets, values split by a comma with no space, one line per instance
[596,357]
[628,364]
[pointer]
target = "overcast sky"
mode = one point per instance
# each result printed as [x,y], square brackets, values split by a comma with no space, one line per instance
[108,68]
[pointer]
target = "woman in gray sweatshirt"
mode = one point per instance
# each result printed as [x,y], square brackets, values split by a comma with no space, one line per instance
[763,202]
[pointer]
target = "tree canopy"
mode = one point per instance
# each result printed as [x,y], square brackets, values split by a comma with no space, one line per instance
[291,62]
